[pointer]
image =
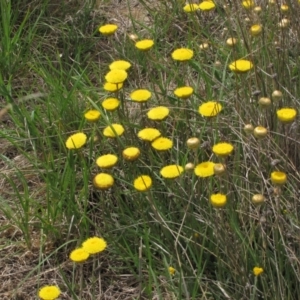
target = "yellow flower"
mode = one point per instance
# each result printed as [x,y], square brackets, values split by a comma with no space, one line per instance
[241,66]
[182,54]
[120,65]
[158,113]
[131,153]
[172,271]
[110,104]
[191,7]
[116,76]
[113,130]
[248,4]
[286,115]
[184,92]
[149,134]
[218,200]
[79,255]
[255,30]
[141,95]
[207,5]
[103,181]
[94,245]
[171,171]
[257,271]
[108,29]
[278,177]
[222,149]
[204,169]
[49,292]
[112,87]
[142,183]
[106,161]
[162,144]
[210,109]
[92,115]
[144,45]
[76,141]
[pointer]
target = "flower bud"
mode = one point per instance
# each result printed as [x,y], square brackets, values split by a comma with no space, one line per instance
[276,96]
[219,169]
[264,102]
[258,199]
[248,128]
[189,167]
[260,132]
[193,143]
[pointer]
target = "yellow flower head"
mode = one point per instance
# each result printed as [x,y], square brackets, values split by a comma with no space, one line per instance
[278,177]
[141,95]
[103,181]
[204,169]
[171,171]
[158,113]
[49,292]
[206,5]
[113,130]
[255,30]
[120,65]
[241,66]
[257,271]
[116,76]
[131,153]
[162,144]
[144,45]
[222,149]
[94,245]
[184,92]
[79,255]
[210,109]
[92,115]
[191,7]
[248,4]
[149,134]
[286,115]
[108,29]
[172,271]
[218,200]
[106,161]
[142,183]
[112,87]
[76,141]
[110,104]
[182,54]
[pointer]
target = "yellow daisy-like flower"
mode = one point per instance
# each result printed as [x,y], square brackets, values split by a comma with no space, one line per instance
[257,271]
[144,45]
[116,76]
[222,149]
[172,271]
[210,109]
[110,104]
[94,245]
[278,177]
[206,5]
[182,54]
[76,141]
[218,200]
[255,30]
[141,95]
[49,292]
[142,183]
[241,66]
[248,4]
[113,130]
[120,65]
[112,87]
[184,92]
[171,171]
[92,115]
[191,7]
[286,115]
[103,181]
[131,153]
[158,113]
[204,169]
[149,134]
[79,255]
[162,144]
[106,161]
[108,29]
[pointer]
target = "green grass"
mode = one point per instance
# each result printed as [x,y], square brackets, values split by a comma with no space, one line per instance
[53,62]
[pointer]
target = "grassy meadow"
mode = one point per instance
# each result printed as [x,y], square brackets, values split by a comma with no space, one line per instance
[174,173]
